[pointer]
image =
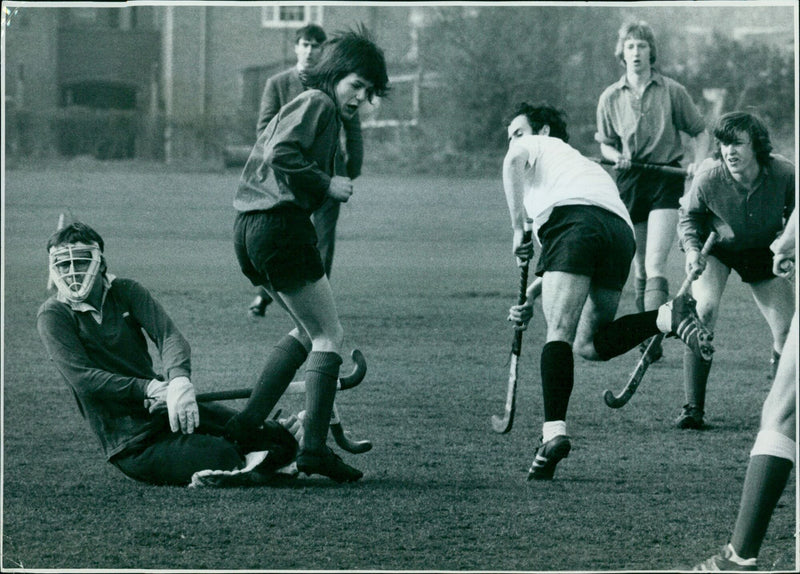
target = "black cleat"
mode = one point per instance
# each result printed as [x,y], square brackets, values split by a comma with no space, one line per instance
[327,463]
[548,455]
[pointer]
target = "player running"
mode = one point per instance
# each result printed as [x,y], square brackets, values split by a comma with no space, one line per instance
[289,174]
[587,245]
[745,195]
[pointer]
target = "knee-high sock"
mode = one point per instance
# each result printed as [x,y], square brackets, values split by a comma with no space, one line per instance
[282,363]
[558,377]
[638,289]
[656,292]
[624,333]
[764,482]
[695,378]
[322,372]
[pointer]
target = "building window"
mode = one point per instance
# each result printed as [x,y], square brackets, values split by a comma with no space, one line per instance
[290,16]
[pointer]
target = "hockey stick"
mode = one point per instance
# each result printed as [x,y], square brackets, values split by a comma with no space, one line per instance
[620,400]
[354,446]
[503,424]
[295,387]
[647,166]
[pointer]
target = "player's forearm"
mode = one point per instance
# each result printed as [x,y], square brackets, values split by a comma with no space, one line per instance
[785,243]
[514,189]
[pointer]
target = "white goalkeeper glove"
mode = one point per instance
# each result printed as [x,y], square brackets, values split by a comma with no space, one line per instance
[182,406]
[156,396]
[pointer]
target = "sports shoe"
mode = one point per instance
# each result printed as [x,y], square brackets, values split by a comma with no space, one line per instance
[722,563]
[686,325]
[258,471]
[548,456]
[327,463]
[690,418]
[258,307]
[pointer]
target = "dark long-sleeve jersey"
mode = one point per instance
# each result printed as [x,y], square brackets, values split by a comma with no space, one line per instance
[294,158]
[743,218]
[108,366]
[281,89]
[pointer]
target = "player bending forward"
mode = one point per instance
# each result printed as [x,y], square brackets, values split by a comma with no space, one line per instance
[587,243]
[150,427]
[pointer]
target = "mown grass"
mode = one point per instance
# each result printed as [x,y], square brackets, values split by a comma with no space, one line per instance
[423,278]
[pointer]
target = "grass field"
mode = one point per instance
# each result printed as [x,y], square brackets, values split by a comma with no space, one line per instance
[423,278]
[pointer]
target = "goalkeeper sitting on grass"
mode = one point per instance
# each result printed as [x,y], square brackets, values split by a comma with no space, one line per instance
[150,427]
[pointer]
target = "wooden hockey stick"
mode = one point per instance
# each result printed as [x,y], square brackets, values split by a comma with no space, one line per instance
[296,387]
[620,400]
[503,424]
[647,166]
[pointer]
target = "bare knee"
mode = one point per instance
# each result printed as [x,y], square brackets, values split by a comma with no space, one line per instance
[331,340]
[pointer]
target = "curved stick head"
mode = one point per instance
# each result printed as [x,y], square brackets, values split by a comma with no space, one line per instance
[344,442]
[358,373]
[616,402]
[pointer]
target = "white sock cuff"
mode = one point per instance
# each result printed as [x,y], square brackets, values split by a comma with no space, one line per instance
[773,443]
[552,429]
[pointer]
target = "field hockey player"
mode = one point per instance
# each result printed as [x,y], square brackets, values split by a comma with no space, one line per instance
[290,173]
[587,245]
[149,426]
[745,194]
[640,119]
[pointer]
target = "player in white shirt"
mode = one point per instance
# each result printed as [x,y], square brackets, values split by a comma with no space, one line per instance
[587,245]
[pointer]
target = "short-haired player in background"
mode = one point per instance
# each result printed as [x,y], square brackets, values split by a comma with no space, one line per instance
[281,89]
[149,426]
[745,194]
[773,454]
[290,173]
[640,119]
[587,245]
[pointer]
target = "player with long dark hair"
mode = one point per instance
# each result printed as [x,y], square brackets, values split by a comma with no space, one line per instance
[290,173]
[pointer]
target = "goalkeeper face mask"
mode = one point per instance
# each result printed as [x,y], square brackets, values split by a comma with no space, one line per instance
[74,268]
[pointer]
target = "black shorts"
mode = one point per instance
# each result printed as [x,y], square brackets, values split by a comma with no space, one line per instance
[278,248]
[643,191]
[587,240]
[752,265]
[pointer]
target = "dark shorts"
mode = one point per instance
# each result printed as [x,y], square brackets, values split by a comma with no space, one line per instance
[752,265]
[587,240]
[643,191]
[277,248]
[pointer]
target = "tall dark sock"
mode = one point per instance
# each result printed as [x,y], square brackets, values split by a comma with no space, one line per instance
[695,378]
[638,289]
[282,363]
[764,482]
[322,372]
[558,377]
[624,333]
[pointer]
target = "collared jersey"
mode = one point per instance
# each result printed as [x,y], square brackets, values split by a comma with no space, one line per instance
[647,129]
[744,218]
[557,174]
[293,159]
[107,364]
